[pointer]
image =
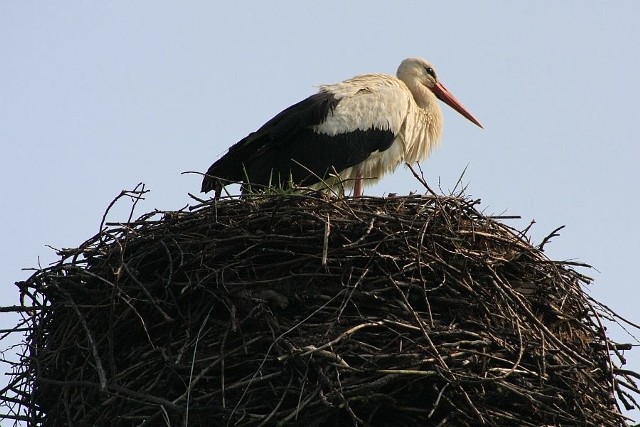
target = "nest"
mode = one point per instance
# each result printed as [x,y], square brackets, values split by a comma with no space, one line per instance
[300,310]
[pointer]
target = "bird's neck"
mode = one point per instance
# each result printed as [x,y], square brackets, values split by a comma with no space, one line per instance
[431,113]
[423,97]
[424,131]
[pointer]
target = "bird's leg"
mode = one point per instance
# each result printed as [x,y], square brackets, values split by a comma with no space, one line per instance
[358,186]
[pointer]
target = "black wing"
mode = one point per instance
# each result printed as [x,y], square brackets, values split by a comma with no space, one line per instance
[286,148]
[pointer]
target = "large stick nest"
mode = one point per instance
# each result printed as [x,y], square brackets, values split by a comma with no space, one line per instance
[306,311]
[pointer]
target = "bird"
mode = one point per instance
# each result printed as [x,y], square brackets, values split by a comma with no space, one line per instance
[356,130]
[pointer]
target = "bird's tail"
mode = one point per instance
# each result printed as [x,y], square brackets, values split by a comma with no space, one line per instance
[211,182]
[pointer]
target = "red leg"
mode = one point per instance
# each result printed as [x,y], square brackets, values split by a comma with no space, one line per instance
[358,187]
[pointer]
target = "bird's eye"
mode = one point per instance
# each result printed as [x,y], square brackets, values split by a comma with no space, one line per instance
[430,71]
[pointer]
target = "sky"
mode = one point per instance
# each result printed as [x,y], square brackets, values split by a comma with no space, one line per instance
[96,97]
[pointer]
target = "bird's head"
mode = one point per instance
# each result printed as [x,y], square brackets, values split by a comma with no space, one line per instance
[420,71]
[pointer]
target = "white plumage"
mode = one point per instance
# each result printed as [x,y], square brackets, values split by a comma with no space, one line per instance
[359,129]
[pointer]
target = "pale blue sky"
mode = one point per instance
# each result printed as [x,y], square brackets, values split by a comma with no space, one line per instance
[96,97]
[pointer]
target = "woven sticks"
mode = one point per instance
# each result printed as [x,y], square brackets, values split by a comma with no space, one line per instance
[300,310]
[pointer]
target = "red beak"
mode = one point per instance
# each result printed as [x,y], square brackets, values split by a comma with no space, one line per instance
[447,97]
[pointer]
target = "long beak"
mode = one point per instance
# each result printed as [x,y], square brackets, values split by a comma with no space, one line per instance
[447,97]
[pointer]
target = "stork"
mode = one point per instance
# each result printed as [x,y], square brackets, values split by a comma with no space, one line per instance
[361,128]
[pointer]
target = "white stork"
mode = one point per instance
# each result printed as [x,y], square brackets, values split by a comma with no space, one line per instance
[359,129]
